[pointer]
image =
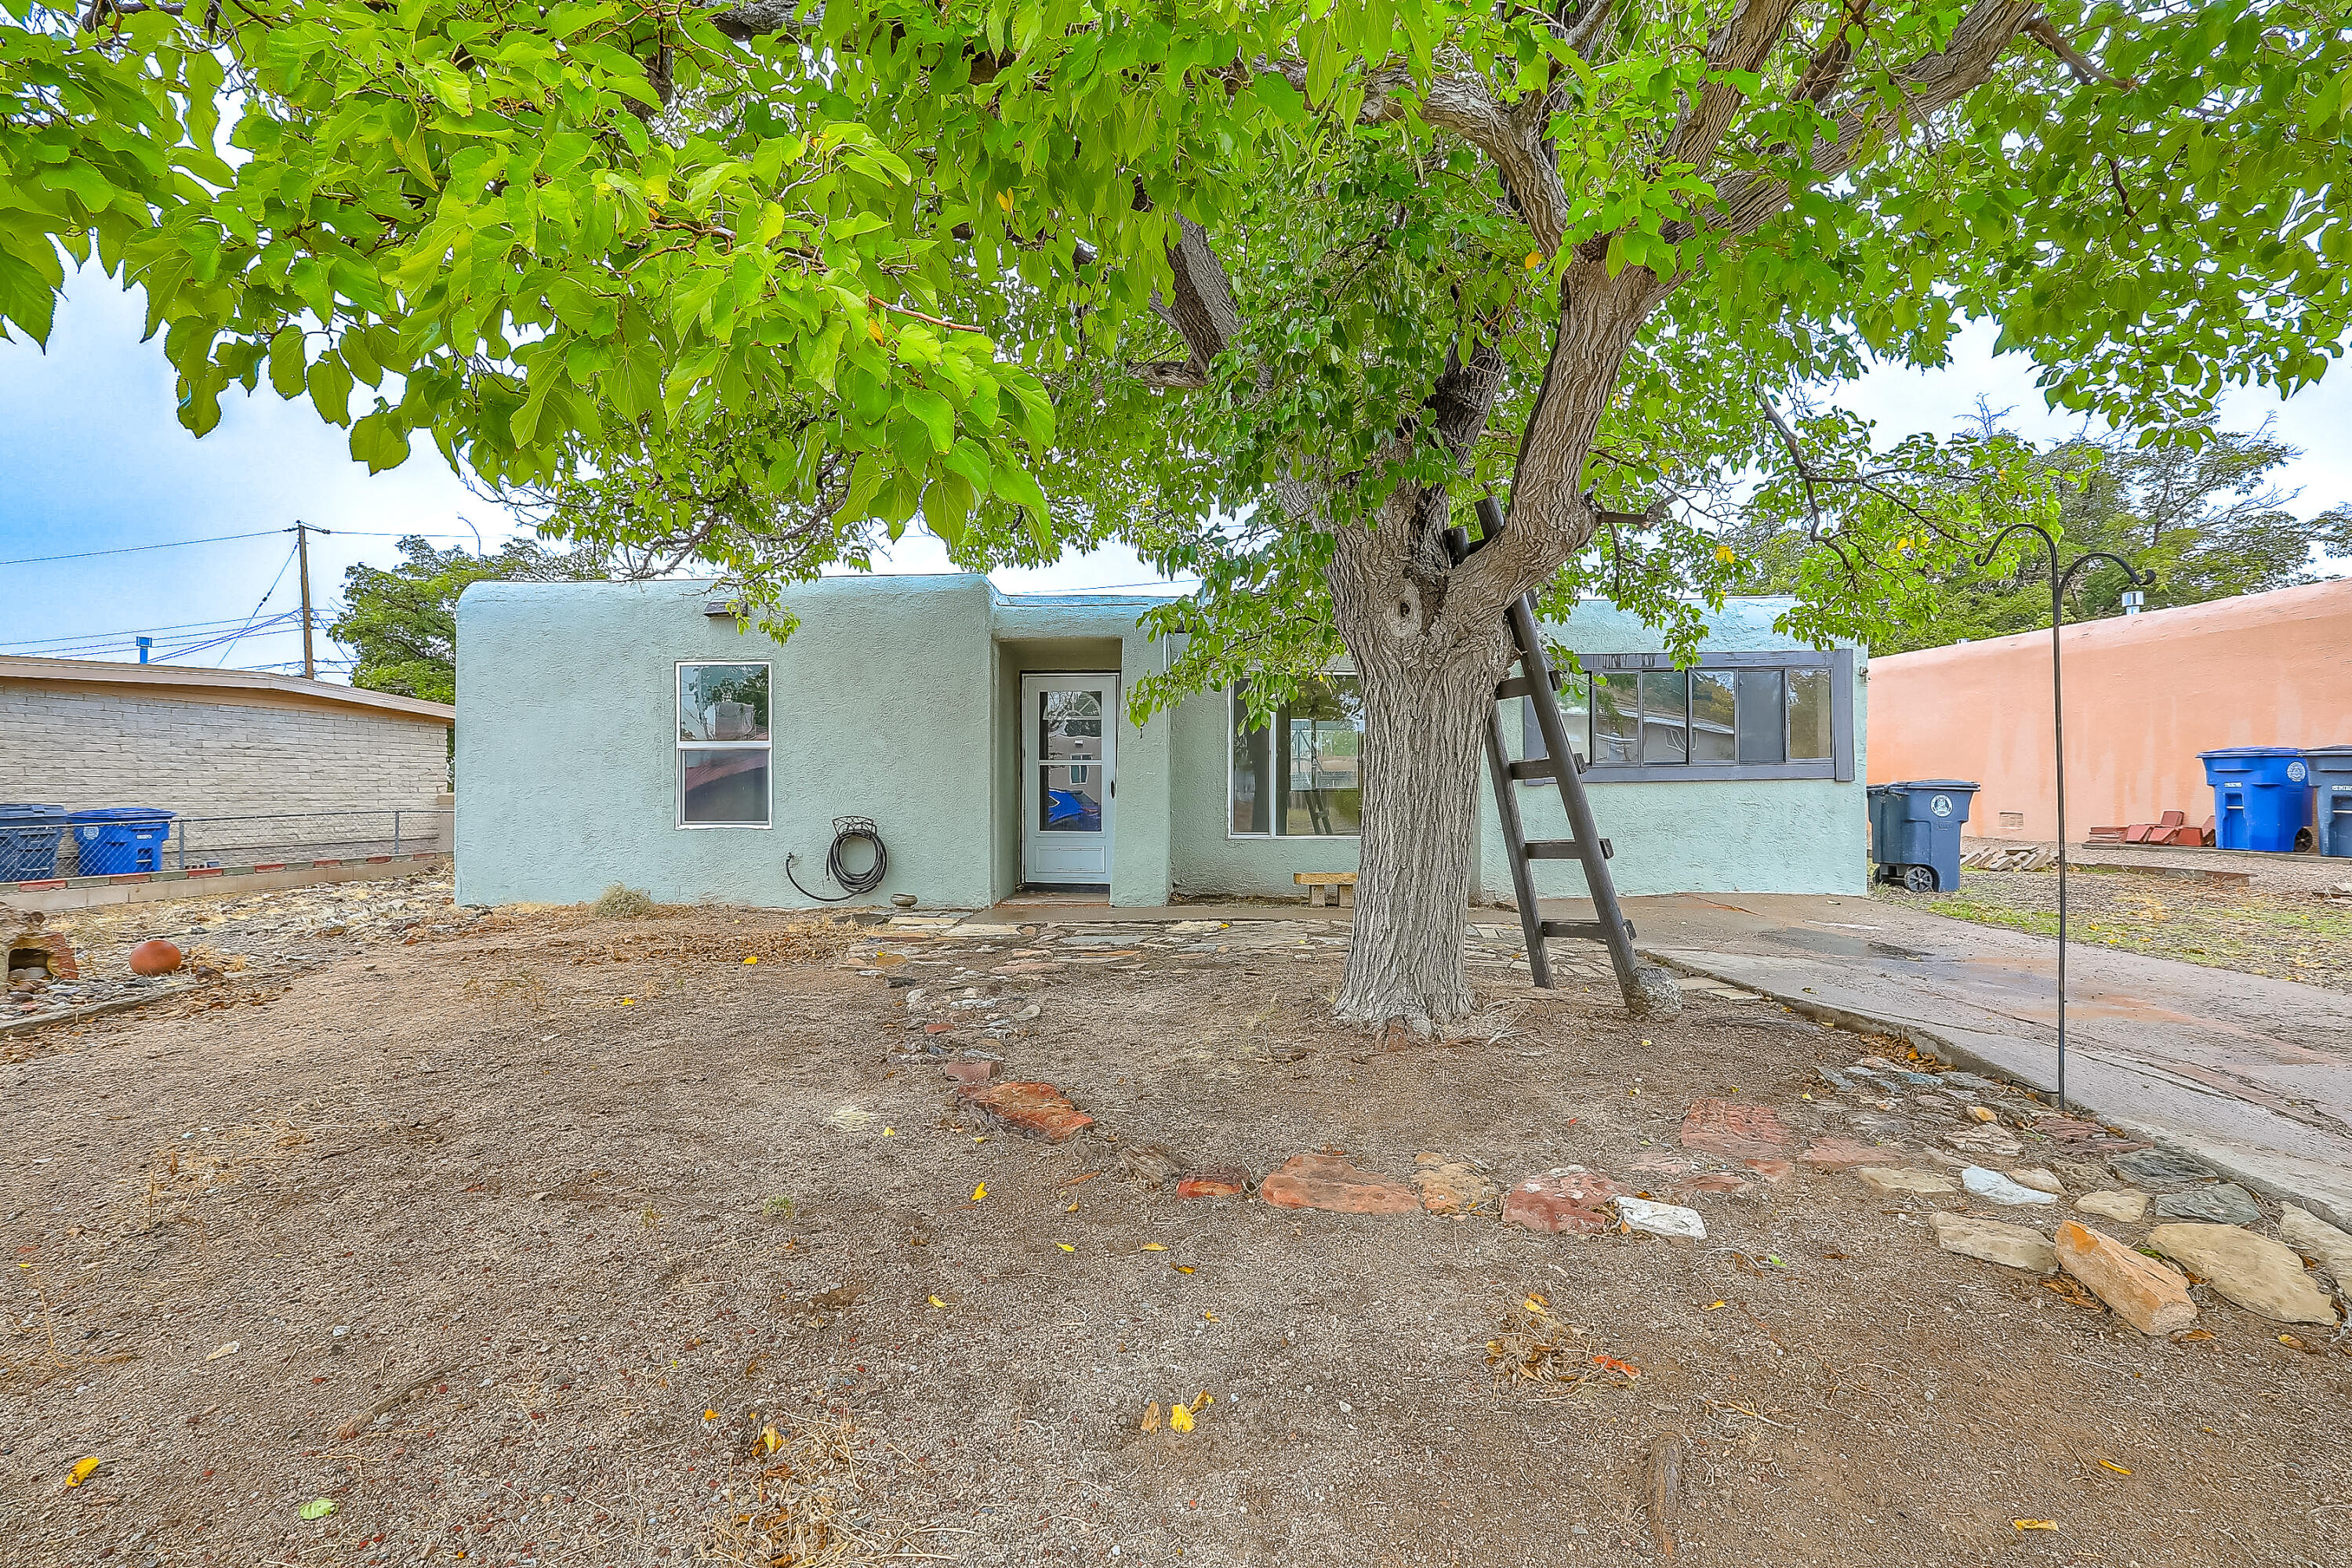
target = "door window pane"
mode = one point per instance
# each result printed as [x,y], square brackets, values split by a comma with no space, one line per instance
[1071,799]
[1713,736]
[1763,733]
[1253,771]
[728,784]
[1617,721]
[722,702]
[1665,716]
[1069,725]
[1809,714]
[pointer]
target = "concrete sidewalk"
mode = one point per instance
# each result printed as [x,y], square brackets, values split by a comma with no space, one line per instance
[2253,1076]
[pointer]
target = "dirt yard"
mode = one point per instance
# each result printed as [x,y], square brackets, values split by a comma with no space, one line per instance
[2288,920]
[545,1238]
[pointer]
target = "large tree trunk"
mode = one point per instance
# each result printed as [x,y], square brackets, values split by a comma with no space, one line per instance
[1426,683]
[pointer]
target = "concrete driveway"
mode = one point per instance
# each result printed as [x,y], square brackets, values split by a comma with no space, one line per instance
[2252,1075]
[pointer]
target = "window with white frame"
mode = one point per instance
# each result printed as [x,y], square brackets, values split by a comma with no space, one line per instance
[724,745]
[1732,715]
[1302,776]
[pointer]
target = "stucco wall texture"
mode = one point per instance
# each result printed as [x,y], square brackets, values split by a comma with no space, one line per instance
[208,754]
[897,698]
[2144,695]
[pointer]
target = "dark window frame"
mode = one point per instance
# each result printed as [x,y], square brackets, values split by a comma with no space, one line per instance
[1276,761]
[1839,765]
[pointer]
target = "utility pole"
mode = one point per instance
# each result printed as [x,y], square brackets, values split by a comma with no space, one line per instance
[302,549]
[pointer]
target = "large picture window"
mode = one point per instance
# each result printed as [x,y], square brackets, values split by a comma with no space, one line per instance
[724,745]
[1734,715]
[1301,777]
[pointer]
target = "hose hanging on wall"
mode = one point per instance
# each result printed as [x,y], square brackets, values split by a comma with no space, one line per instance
[847,830]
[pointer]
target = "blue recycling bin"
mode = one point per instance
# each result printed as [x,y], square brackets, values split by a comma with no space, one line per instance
[1914,832]
[121,840]
[2262,796]
[2331,798]
[29,842]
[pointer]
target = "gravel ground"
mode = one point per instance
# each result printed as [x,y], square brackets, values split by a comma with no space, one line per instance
[549,1239]
[2284,923]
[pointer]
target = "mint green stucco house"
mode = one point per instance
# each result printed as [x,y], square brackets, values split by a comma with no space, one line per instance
[631,733]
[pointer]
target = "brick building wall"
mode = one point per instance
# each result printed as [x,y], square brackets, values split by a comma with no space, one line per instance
[210,753]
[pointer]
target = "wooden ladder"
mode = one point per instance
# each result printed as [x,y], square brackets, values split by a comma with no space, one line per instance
[1560,768]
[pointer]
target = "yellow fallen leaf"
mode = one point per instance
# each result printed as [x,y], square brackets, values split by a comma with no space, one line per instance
[937,1302]
[1151,1418]
[1184,1268]
[628,1001]
[769,1440]
[1535,1304]
[1065,1246]
[1203,1399]
[979,1192]
[889,1132]
[81,1470]
[1209,1315]
[2113,1465]
[751,957]
[710,1416]
[2034,1523]
[1072,1208]
[1180,1419]
[981,1138]
[229,1349]
[1710,1307]
[1153,1247]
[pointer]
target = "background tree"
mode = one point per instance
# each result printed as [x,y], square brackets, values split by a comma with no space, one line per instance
[2198,508]
[402,621]
[1305,279]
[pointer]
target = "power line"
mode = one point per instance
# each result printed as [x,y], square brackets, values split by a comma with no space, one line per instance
[218,539]
[264,599]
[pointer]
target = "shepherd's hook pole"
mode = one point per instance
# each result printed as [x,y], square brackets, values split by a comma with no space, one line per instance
[2059,582]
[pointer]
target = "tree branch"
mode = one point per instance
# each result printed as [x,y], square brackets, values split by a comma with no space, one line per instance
[1740,45]
[2087,71]
[1930,83]
[758,18]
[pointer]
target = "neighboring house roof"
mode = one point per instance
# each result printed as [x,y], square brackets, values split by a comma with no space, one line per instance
[193,683]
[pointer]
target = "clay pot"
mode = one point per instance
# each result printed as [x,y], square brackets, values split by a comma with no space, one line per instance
[154,957]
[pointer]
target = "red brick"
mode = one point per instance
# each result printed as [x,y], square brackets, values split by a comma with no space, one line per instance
[1840,1154]
[1036,1107]
[1718,1182]
[1562,1200]
[1214,1181]
[969,1072]
[1326,1180]
[1770,1170]
[55,944]
[937,1028]
[1735,1129]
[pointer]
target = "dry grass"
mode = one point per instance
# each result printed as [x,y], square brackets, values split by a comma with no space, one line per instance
[805,1508]
[1538,1346]
[621,902]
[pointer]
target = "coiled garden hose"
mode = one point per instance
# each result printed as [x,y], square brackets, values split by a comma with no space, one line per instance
[847,830]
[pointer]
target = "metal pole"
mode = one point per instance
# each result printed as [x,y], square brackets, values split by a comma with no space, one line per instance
[2058,739]
[395,832]
[302,549]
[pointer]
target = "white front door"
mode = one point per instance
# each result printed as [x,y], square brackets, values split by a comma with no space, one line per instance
[1068,724]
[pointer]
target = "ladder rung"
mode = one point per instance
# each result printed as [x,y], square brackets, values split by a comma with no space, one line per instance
[1590,930]
[1520,686]
[1538,771]
[1565,850]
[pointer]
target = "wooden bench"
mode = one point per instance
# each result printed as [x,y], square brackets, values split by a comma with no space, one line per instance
[1318,886]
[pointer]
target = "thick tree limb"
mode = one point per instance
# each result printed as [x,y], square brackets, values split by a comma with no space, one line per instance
[1930,83]
[1740,45]
[1832,57]
[1464,103]
[758,18]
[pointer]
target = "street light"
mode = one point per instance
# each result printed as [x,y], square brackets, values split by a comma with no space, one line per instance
[2059,580]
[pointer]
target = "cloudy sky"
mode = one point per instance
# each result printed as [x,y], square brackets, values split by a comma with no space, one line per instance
[92,459]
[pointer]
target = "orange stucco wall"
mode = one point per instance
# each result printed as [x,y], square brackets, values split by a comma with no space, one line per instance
[2144,695]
